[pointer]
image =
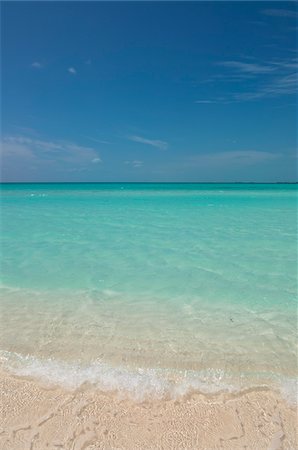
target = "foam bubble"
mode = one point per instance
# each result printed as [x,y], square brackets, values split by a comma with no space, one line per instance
[138,383]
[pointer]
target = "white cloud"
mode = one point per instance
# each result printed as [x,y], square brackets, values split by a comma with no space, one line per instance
[37,65]
[161,145]
[272,78]
[135,163]
[282,85]
[98,141]
[203,102]
[251,68]
[15,150]
[72,70]
[213,101]
[21,148]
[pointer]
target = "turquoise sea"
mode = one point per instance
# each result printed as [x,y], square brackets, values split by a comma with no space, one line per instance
[151,290]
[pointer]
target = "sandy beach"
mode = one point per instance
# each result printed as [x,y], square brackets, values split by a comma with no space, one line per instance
[38,417]
[148,225]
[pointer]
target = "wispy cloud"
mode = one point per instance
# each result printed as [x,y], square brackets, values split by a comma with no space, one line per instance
[280,13]
[161,145]
[271,78]
[98,141]
[205,102]
[214,101]
[37,65]
[20,148]
[72,70]
[135,163]
[250,68]
[284,85]
[285,64]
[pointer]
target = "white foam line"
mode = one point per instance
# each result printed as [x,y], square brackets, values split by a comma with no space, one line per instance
[140,383]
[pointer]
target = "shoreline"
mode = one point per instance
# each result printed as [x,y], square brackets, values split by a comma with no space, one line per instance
[143,383]
[39,417]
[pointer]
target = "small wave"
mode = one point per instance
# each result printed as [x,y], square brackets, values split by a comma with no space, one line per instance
[140,384]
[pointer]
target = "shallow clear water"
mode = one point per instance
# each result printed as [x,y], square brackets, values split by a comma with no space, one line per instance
[150,288]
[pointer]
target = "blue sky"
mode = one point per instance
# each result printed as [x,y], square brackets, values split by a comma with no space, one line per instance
[149,91]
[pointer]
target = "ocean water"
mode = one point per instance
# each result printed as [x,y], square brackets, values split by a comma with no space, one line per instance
[151,290]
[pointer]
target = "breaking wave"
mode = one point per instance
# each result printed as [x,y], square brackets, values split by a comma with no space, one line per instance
[138,383]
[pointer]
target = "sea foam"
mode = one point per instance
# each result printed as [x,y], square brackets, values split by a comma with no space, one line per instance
[137,383]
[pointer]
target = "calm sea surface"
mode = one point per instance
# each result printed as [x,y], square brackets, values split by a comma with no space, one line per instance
[151,289]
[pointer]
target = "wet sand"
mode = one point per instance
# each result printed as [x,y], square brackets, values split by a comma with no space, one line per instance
[38,417]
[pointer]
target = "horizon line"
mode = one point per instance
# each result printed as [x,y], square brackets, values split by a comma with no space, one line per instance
[148,182]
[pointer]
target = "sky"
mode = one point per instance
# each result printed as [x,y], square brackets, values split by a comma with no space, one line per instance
[149,91]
